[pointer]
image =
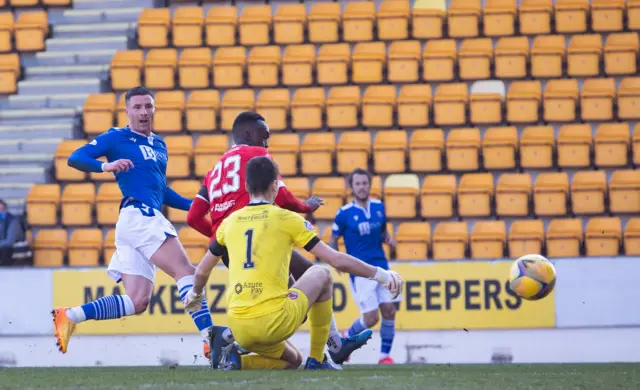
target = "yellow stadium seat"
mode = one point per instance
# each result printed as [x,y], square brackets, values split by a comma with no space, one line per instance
[378,106]
[56,3]
[307,108]
[233,103]
[624,192]
[317,151]
[550,193]
[368,61]
[186,28]
[77,204]
[273,105]
[186,188]
[30,31]
[400,193]
[588,191]
[632,237]
[428,19]
[584,55]
[511,57]
[414,105]
[475,59]
[108,204]
[560,100]
[607,15]
[228,67]
[153,27]
[42,204]
[488,240]
[194,243]
[597,97]
[125,69]
[463,149]
[621,54]
[85,247]
[575,143]
[636,145]
[463,18]
[633,15]
[437,195]
[193,68]
[571,16]
[334,62]
[288,24]
[299,187]
[97,112]
[324,22]
[390,151]
[426,150]
[450,241]
[486,102]
[160,68]
[343,106]
[450,104]
[629,98]
[612,143]
[358,18]
[331,190]
[353,149]
[393,20]
[6,32]
[50,247]
[535,17]
[404,62]
[439,59]
[547,56]
[513,195]
[207,153]
[109,245]
[284,148]
[263,66]
[523,101]
[525,237]
[326,237]
[63,171]
[201,110]
[298,64]
[413,239]
[9,73]
[475,195]
[221,25]
[375,189]
[564,238]
[499,17]
[537,145]
[169,110]
[255,25]
[499,147]
[180,150]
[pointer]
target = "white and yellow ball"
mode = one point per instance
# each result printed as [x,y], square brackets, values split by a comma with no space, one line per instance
[533,277]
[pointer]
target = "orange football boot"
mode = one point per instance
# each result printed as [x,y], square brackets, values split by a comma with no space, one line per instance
[207,350]
[386,360]
[63,328]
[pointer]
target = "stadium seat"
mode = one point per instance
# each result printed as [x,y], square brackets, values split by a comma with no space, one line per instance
[307,108]
[331,190]
[169,111]
[403,64]
[624,192]
[108,204]
[334,62]
[273,105]
[621,54]
[629,98]
[488,240]
[343,106]
[535,17]
[463,149]
[413,239]
[524,101]
[475,195]
[633,15]
[289,24]
[632,237]
[186,188]
[63,171]
[228,67]
[390,151]
[233,103]
[500,147]
[358,18]
[612,142]
[299,187]
[57,3]
[486,102]
[324,22]
[437,196]
[109,245]
[560,100]
[450,241]
[375,189]
[353,149]
[97,112]
[463,18]
[221,25]
[42,204]
[77,204]
[428,19]
[439,59]
[317,151]
[499,17]
[10,73]
[571,16]
[193,68]
[160,68]
[525,237]
[584,55]
[30,31]
[85,247]
[426,150]
[368,61]
[393,20]
[186,28]
[511,56]
[326,237]
[550,194]
[414,105]
[207,153]
[537,145]
[194,243]
[475,59]
[596,99]
[263,66]
[201,110]
[6,32]
[255,25]
[603,236]
[400,193]
[284,148]
[564,238]
[50,247]
[574,145]
[450,104]
[513,195]
[635,140]
[125,69]
[180,150]
[298,64]
[547,56]
[588,191]
[378,106]
[153,27]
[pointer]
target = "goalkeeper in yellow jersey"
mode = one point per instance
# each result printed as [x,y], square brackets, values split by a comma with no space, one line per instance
[263,313]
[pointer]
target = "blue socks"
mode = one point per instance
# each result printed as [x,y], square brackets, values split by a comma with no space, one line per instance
[201,317]
[105,308]
[357,327]
[387,331]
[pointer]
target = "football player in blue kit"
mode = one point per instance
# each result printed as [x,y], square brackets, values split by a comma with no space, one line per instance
[145,239]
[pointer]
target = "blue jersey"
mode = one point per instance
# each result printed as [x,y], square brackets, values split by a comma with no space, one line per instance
[363,231]
[146,182]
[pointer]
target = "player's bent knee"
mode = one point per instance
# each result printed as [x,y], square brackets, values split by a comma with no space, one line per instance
[371,319]
[388,311]
[140,305]
[295,363]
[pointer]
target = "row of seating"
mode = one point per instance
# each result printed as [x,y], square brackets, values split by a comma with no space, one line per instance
[34,3]
[26,34]
[395,20]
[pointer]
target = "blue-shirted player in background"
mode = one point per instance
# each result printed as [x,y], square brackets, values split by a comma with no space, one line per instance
[363,224]
[145,239]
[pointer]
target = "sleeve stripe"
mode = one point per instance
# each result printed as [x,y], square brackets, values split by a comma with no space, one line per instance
[280,184]
[312,243]
[202,197]
[216,249]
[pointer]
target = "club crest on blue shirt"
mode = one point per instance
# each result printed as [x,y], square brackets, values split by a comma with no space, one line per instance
[308,225]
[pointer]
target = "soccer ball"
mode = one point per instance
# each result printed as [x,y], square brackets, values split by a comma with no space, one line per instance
[533,277]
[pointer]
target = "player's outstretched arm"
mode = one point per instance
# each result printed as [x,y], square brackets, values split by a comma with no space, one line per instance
[203,271]
[85,158]
[175,200]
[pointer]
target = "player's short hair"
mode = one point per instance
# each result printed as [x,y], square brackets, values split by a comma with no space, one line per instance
[3,203]
[138,91]
[245,125]
[261,171]
[358,171]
